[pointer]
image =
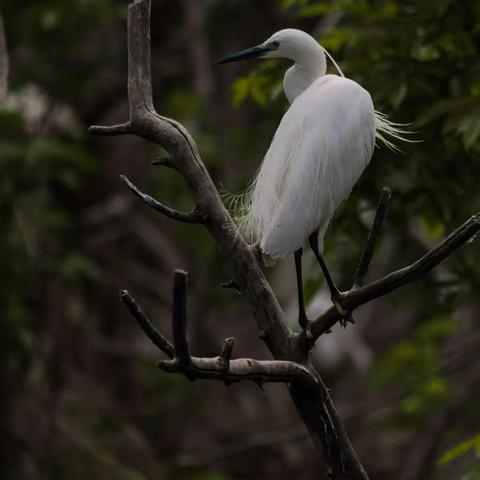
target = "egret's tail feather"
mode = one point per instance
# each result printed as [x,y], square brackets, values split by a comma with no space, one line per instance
[387,132]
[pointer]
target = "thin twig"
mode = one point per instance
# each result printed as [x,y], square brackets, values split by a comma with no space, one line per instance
[191,217]
[152,333]
[374,234]
[108,131]
[216,368]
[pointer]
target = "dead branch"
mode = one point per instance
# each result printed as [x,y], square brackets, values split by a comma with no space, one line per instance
[150,331]
[217,368]
[291,364]
[191,217]
[374,234]
[183,156]
[112,130]
[360,296]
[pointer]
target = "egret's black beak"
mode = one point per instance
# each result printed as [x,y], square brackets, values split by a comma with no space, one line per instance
[254,52]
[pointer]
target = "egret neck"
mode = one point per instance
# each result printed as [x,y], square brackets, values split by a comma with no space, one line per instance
[310,65]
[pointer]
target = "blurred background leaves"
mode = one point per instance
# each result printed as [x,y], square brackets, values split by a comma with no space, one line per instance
[80,395]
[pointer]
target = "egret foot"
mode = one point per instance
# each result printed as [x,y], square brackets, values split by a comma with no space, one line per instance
[344,313]
[338,305]
[305,325]
[336,299]
[308,332]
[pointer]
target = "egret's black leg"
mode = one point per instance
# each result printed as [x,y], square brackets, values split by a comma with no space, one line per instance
[302,316]
[335,293]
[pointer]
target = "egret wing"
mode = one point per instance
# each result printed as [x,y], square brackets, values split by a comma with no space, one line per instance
[322,145]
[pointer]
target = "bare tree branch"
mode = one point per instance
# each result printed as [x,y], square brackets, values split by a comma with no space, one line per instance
[191,217]
[374,234]
[258,371]
[121,129]
[145,122]
[217,368]
[152,333]
[398,278]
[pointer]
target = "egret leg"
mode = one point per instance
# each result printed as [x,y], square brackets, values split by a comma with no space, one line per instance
[302,316]
[335,293]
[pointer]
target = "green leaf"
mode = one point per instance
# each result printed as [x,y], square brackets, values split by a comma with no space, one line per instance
[256,86]
[471,444]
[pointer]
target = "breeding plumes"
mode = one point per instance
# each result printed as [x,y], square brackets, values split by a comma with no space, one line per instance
[322,145]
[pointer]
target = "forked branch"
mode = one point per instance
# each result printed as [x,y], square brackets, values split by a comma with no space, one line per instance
[360,296]
[374,234]
[217,368]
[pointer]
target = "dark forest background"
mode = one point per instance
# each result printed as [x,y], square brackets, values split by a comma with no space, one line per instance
[80,396]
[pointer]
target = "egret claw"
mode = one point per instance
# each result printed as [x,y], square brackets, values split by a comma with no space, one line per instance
[338,305]
[346,315]
[306,326]
[308,330]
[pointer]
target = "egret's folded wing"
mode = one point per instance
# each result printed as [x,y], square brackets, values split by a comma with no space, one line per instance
[308,174]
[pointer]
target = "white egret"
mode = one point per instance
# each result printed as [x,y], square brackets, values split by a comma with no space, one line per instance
[324,142]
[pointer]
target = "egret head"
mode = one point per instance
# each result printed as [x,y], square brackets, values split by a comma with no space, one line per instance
[289,43]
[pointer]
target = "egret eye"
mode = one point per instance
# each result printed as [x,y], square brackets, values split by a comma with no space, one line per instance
[275,44]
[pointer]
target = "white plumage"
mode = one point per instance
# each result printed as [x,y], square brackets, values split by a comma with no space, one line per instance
[321,147]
